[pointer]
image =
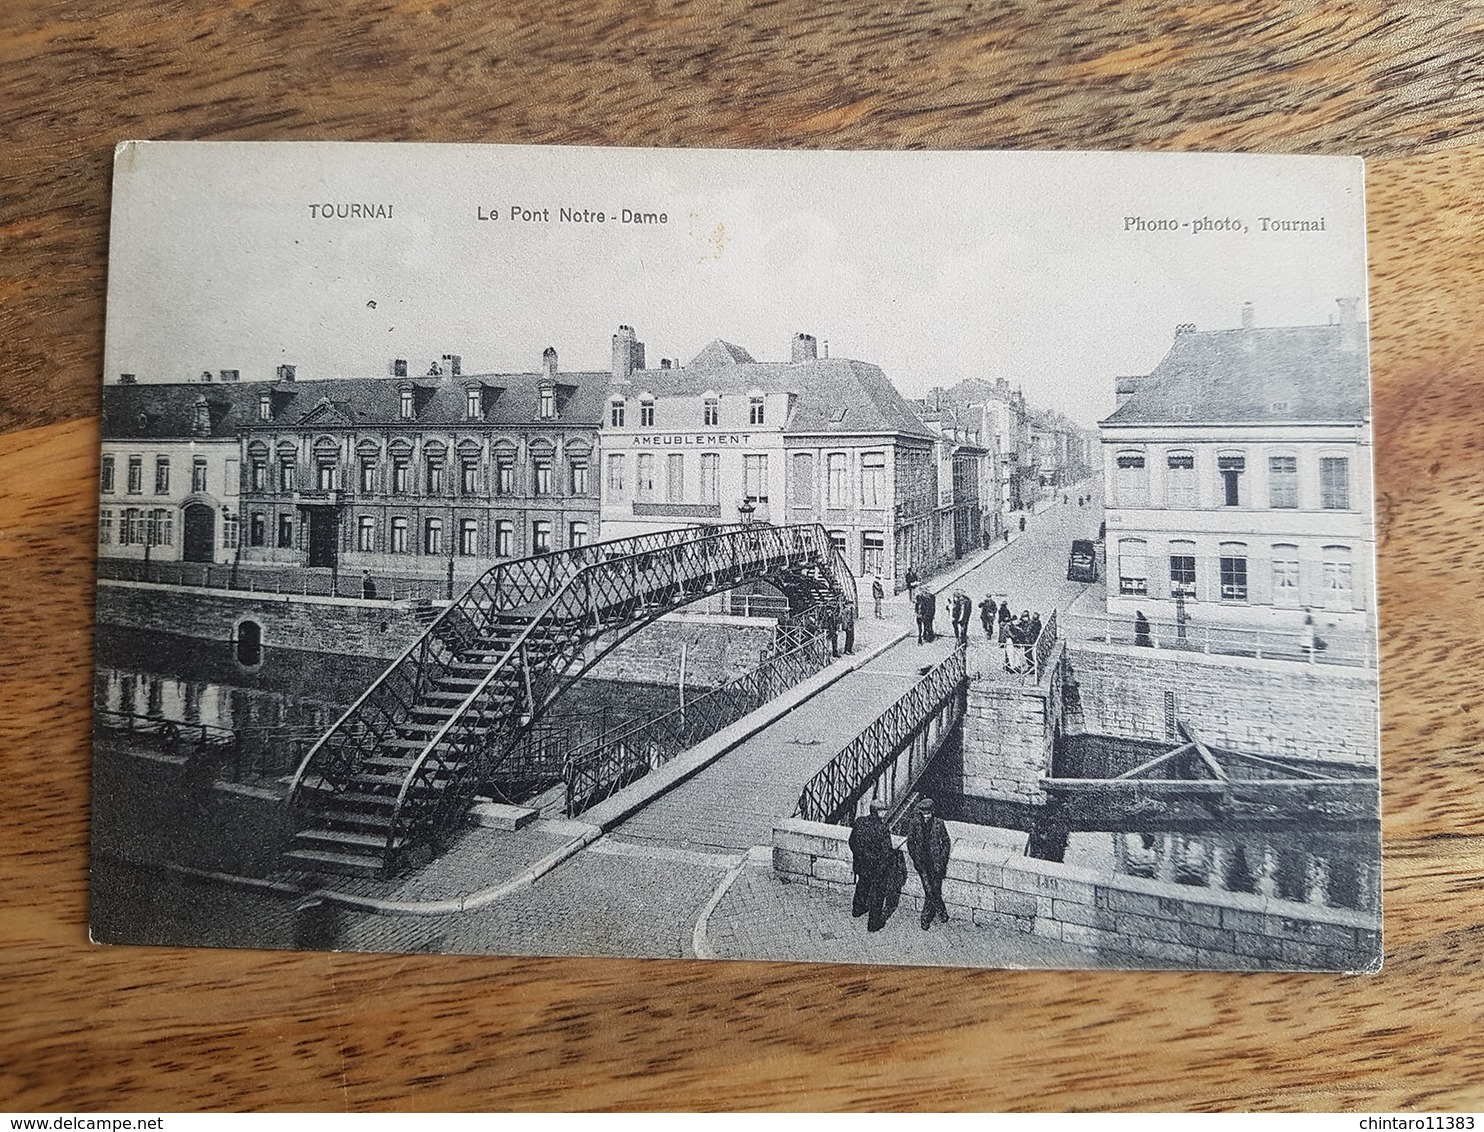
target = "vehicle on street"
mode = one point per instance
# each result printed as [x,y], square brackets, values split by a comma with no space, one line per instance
[1082,563]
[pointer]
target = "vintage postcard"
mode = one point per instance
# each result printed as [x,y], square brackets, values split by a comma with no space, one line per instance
[910,558]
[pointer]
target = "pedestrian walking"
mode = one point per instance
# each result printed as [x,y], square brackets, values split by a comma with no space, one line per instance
[1005,619]
[958,616]
[1141,630]
[912,579]
[929,847]
[932,614]
[831,618]
[848,617]
[987,613]
[878,592]
[919,610]
[1022,524]
[870,856]
[1035,627]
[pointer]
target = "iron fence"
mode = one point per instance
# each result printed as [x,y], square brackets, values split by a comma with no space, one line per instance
[287,580]
[830,796]
[597,769]
[1348,648]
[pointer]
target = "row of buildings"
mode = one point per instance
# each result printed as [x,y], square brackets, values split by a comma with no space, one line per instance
[415,475]
[1238,478]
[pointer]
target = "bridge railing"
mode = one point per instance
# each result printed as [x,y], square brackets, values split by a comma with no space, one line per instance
[831,795]
[597,769]
[1348,648]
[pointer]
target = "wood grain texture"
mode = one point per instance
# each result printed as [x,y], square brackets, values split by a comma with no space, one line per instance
[83,1027]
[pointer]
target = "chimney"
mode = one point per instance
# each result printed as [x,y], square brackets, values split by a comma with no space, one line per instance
[664,363]
[230,376]
[804,348]
[1249,316]
[1184,328]
[1350,333]
[549,363]
[453,364]
[399,367]
[126,379]
[205,377]
[285,373]
[628,354]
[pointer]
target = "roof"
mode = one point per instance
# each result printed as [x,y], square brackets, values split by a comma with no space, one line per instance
[161,411]
[718,354]
[832,395]
[510,399]
[1284,373]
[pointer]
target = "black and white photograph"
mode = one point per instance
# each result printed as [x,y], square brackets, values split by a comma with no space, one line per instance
[940,558]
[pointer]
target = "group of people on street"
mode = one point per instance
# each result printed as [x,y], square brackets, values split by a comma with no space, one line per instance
[880,871]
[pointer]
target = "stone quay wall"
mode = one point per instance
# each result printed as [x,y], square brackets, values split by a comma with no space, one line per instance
[1126,920]
[1272,707]
[718,648]
[1010,728]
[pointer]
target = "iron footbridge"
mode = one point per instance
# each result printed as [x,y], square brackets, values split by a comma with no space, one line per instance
[393,779]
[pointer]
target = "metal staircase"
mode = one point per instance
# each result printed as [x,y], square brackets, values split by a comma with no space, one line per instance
[393,779]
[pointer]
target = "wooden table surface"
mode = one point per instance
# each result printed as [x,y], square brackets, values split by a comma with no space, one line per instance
[95,1028]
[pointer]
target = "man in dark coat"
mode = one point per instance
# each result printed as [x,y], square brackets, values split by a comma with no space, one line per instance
[870,854]
[963,613]
[929,847]
[911,579]
[920,608]
[931,613]
[987,612]
[877,593]
[1006,617]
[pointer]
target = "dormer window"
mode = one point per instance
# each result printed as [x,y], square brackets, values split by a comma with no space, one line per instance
[265,408]
[408,407]
[615,413]
[755,409]
[548,402]
[712,410]
[474,403]
[646,412]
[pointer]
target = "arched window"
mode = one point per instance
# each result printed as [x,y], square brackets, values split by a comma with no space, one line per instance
[1131,479]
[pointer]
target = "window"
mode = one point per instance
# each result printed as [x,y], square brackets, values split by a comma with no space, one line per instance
[105,474]
[579,477]
[435,475]
[1133,566]
[755,478]
[505,473]
[468,475]
[675,477]
[504,538]
[712,411]
[401,475]
[548,402]
[615,472]
[644,475]
[399,536]
[803,479]
[710,477]
[835,484]
[126,526]
[162,475]
[1182,569]
[265,408]
[258,532]
[873,552]
[837,542]
[433,536]
[286,472]
[543,476]
[366,533]
[161,525]
[468,537]
[198,474]
[105,527]
[136,475]
[259,475]
[541,537]
[368,475]
[1334,483]
[1180,479]
[873,479]
[1233,572]
[286,532]
[231,531]
[324,478]
[1339,578]
[1286,575]
[1282,481]
[646,414]
[1230,469]
[473,404]
[577,534]
[1131,482]
[615,413]
[755,410]
[407,404]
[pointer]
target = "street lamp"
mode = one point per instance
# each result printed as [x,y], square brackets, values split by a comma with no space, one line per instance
[745,511]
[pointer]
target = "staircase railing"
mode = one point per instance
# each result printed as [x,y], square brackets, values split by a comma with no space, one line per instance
[830,795]
[562,602]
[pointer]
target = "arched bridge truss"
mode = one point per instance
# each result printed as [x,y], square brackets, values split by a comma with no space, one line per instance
[399,770]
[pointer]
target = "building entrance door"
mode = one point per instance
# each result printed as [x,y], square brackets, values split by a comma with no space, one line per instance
[200,533]
[323,529]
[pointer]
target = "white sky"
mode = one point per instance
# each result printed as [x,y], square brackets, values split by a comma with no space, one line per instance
[936,267]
